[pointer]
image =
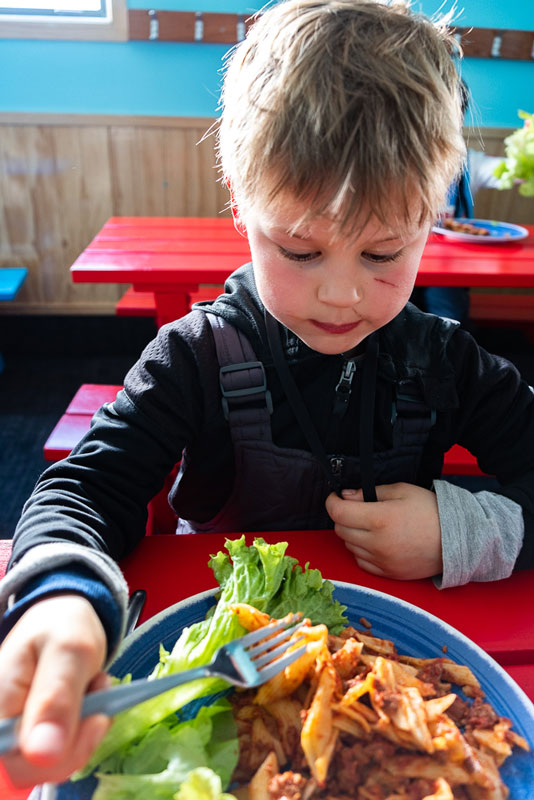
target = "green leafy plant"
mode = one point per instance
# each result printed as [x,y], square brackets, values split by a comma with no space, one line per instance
[518,167]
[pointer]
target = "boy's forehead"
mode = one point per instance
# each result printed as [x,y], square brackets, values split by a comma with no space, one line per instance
[295,218]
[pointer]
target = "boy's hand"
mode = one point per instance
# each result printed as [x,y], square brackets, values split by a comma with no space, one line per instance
[397,537]
[48,661]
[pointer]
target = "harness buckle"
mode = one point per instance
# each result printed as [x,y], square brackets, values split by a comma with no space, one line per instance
[414,411]
[245,390]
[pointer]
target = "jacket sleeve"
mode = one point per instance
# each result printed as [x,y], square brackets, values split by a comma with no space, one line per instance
[97,497]
[495,422]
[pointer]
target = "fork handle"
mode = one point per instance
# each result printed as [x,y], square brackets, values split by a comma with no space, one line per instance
[110,701]
[125,695]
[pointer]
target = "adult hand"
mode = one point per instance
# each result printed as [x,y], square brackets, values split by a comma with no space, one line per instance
[50,659]
[399,536]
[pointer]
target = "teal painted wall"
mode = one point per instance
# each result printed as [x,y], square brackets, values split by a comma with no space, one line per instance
[152,78]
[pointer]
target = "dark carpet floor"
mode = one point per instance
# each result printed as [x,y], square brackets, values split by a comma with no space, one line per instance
[46,360]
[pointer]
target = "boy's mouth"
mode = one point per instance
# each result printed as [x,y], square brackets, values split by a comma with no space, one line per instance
[330,328]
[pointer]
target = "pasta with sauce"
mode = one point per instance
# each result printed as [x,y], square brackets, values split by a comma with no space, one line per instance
[353,719]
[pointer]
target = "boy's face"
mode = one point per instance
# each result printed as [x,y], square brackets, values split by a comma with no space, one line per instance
[332,292]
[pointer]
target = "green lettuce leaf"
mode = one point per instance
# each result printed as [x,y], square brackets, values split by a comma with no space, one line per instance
[519,162]
[155,767]
[260,575]
[202,784]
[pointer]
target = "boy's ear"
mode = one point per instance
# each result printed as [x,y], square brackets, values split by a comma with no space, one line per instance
[239,225]
[238,222]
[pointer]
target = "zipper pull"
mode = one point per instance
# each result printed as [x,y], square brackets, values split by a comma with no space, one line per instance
[344,388]
[336,466]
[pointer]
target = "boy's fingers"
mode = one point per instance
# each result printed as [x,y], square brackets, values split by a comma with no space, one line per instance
[51,715]
[352,494]
[355,545]
[352,514]
[17,673]
[91,731]
[360,515]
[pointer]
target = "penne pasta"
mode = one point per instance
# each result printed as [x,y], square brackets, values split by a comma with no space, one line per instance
[353,720]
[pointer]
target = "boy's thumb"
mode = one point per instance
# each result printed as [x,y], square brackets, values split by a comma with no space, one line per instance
[352,494]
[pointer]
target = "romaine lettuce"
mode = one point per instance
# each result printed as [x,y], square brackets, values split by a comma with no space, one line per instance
[156,766]
[260,575]
[519,163]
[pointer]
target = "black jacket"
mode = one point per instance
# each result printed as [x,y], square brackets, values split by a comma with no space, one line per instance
[98,495]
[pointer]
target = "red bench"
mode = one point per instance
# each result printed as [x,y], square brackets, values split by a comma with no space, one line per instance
[143,304]
[501,309]
[75,423]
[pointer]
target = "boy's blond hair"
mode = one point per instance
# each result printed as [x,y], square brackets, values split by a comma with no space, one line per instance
[347,105]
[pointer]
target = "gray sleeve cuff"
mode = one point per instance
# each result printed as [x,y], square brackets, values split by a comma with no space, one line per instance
[49,557]
[481,535]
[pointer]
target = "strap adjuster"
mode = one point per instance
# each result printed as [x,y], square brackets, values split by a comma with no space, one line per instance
[417,405]
[246,391]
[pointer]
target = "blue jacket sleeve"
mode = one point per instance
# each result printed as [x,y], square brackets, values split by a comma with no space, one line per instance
[76,580]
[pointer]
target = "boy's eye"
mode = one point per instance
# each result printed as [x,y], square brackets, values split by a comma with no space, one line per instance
[298,256]
[382,258]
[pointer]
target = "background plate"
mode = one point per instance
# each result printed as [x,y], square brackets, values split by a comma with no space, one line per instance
[414,632]
[500,232]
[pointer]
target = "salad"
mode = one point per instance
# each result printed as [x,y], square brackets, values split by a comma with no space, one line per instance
[351,719]
[148,751]
[519,163]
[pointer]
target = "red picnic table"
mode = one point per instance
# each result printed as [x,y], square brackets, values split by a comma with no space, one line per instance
[173,256]
[496,616]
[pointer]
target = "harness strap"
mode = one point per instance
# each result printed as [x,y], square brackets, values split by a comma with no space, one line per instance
[367,419]
[296,402]
[246,401]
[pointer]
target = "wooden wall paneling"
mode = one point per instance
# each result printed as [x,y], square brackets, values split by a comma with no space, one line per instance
[17,247]
[182,173]
[152,175]
[47,213]
[84,199]
[34,150]
[193,186]
[138,171]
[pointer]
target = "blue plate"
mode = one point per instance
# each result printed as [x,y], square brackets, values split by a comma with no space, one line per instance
[414,632]
[499,232]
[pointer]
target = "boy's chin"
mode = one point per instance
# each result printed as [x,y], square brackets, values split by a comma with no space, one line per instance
[332,345]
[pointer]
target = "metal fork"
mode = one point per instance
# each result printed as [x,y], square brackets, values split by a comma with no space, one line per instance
[247,662]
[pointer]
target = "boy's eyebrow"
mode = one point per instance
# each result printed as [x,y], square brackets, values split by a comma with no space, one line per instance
[388,239]
[304,236]
[293,234]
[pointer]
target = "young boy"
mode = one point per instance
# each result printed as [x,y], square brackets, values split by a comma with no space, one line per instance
[311,395]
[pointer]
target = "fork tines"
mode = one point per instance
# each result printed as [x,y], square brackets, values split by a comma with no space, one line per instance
[268,643]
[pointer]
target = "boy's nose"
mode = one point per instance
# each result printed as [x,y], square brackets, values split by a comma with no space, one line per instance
[339,293]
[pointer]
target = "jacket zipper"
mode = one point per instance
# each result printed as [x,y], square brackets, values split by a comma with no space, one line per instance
[341,403]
